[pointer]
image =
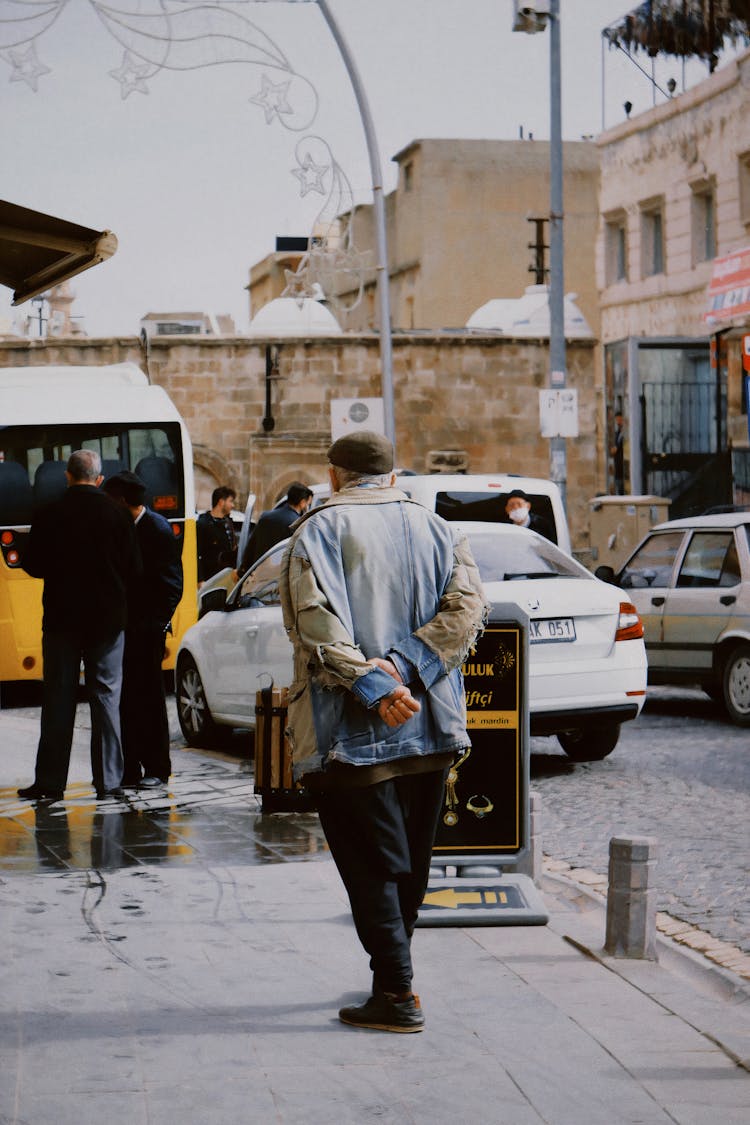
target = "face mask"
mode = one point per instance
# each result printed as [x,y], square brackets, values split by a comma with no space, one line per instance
[518,515]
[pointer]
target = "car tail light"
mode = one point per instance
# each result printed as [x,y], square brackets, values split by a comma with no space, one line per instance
[629,624]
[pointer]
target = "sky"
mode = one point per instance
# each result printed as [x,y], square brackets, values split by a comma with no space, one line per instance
[197,180]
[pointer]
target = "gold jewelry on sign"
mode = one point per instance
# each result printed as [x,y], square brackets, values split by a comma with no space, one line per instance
[450,818]
[479,805]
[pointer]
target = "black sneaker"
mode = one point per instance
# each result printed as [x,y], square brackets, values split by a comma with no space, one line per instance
[384,1013]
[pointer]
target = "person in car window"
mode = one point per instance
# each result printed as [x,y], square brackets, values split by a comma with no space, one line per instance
[382,601]
[275,525]
[518,510]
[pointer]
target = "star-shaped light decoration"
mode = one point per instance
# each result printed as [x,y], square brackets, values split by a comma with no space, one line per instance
[341,271]
[273,98]
[310,175]
[298,284]
[130,74]
[26,66]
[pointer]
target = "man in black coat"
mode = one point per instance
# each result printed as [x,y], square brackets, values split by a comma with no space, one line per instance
[84,548]
[276,525]
[153,600]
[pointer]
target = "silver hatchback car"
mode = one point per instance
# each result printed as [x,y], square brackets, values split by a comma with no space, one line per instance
[690,581]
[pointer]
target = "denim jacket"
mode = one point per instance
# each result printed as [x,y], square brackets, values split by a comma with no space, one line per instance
[373,573]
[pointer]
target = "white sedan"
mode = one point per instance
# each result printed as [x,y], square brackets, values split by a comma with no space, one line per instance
[587,661]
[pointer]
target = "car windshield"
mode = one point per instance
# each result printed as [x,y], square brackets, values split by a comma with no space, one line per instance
[517,556]
[261,583]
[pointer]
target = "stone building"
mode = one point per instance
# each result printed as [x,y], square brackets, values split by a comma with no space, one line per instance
[474,392]
[674,200]
[458,233]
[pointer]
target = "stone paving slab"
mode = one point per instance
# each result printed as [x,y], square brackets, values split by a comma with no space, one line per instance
[201,985]
[201,995]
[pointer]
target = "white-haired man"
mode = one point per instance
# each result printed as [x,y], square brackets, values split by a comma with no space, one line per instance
[84,547]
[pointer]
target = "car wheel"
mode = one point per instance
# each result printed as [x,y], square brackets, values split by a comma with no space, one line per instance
[196,722]
[736,684]
[590,744]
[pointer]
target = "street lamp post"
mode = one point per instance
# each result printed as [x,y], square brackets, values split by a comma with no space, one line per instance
[378,201]
[532,18]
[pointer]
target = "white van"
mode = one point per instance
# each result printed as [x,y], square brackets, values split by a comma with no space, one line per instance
[462,497]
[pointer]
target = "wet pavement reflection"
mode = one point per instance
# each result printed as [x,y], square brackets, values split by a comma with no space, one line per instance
[207,814]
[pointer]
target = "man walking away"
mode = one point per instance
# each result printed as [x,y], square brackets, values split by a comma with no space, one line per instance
[382,602]
[275,525]
[217,542]
[153,600]
[83,546]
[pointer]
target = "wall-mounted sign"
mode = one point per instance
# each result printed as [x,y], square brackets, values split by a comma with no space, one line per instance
[729,288]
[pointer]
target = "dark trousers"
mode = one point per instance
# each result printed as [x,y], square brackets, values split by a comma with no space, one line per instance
[102,663]
[381,840]
[143,707]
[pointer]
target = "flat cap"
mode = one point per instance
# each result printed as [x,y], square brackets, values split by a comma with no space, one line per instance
[362,452]
[519,494]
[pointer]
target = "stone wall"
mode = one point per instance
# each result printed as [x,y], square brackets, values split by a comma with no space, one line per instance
[451,391]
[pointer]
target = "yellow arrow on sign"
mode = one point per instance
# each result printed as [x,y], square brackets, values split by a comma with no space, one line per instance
[451,898]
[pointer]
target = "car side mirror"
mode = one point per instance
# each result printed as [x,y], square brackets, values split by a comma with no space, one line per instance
[211,600]
[605,574]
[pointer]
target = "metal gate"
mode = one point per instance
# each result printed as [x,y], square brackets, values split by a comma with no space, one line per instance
[683,454]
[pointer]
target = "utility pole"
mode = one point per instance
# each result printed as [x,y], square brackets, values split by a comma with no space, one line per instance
[557,357]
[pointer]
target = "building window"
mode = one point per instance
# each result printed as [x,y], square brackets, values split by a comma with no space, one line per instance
[744,178]
[703,223]
[408,176]
[615,249]
[652,239]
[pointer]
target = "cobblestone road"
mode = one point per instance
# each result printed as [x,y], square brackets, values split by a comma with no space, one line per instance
[681,773]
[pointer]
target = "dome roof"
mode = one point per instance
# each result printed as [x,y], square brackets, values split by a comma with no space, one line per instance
[529,315]
[288,316]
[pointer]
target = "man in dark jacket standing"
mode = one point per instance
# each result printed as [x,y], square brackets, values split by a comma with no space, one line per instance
[83,546]
[276,525]
[217,542]
[153,600]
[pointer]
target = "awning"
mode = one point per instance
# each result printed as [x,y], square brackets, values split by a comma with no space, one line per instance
[729,288]
[38,251]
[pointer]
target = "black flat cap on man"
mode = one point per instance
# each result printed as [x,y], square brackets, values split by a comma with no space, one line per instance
[518,492]
[362,452]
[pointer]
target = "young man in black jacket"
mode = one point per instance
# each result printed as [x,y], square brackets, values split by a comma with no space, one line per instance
[84,548]
[217,542]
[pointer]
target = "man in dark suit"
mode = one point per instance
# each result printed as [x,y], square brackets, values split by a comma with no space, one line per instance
[152,602]
[84,548]
[518,510]
[275,525]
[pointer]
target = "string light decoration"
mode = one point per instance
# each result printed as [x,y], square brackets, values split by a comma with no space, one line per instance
[182,35]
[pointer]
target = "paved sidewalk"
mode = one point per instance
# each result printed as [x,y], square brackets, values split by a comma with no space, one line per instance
[180,958]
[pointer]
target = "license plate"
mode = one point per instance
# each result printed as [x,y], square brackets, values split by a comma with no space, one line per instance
[552,629]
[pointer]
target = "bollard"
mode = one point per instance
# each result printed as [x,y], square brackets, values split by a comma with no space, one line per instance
[631,898]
